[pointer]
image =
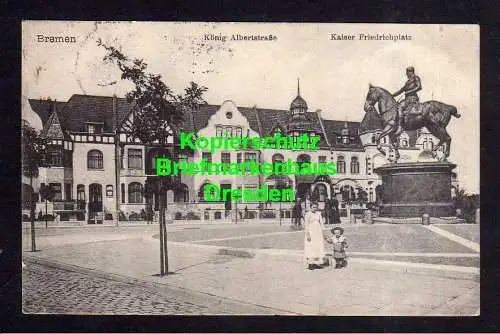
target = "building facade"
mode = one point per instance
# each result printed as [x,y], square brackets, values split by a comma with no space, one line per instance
[96,169]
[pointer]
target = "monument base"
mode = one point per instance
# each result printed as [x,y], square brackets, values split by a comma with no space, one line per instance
[414,188]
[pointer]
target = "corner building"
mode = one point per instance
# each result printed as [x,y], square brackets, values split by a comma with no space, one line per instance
[91,149]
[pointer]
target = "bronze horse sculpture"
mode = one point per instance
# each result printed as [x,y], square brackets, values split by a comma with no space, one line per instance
[434,115]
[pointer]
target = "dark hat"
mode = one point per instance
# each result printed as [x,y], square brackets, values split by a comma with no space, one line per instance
[410,69]
[337,228]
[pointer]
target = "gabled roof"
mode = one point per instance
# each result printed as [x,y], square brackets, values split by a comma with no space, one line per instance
[81,109]
[371,122]
[52,128]
[44,108]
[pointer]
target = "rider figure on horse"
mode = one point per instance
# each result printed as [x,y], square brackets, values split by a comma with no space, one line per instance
[410,88]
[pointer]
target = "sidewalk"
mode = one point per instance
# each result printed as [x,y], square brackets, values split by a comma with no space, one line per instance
[269,279]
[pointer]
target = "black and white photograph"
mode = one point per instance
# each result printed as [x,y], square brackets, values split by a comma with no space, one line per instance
[200,168]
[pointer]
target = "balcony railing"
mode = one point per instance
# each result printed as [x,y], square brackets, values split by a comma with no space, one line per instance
[69,205]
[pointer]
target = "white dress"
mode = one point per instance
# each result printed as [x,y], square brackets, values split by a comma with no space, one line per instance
[314,250]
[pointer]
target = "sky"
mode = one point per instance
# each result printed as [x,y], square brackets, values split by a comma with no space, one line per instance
[334,74]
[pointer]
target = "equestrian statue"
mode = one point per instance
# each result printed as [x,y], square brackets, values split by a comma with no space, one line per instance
[410,114]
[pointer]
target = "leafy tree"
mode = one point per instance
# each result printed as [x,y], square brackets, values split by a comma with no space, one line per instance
[158,116]
[33,157]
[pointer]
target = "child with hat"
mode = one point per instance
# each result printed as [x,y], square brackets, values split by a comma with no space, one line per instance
[339,243]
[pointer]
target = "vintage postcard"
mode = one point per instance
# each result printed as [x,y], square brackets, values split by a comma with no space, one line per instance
[185,168]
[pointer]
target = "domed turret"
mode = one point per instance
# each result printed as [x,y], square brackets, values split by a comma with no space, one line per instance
[298,107]
[345,130]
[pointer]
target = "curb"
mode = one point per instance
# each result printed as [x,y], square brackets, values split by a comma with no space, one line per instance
[149,284]
[424,269]
[446,271]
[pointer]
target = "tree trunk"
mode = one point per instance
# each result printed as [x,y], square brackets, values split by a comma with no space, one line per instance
[165,248]
[161,221]
[32,218]
[280,212]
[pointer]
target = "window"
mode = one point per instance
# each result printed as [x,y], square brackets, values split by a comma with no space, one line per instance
[218,131]
[206,156]
[370,194]
[373,139]
[80,197]
[278,158]
[250,156]
[67,191]
[238,157]
[80,192]
[428,144]
[55,156]
[225,157]
[94,159]
[368,166]
[94,127]
[181,194]
[229,115]
[320,192]
[56,187]
[123,192]
[134,158]
[322,159]
[109,190]
[228,131]
[182,157]
[238,132]
[201,193]
[340,165]
[354,165]
[135,192]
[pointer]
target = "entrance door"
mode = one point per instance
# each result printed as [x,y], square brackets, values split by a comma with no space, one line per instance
[302,190]
[95,204]
[227,202]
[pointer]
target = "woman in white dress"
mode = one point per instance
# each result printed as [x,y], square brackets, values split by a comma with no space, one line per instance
[314,250]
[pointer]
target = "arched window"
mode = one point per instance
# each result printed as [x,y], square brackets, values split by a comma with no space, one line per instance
[404,142]
[354,165]
[340,165]
[277,158]
[373,139]
[94,159]
[135,192]
[181,194]
[320,192]
[201,193]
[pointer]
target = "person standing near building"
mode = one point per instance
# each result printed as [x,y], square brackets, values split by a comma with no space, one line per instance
[335,214]
[314,249]
[296,214]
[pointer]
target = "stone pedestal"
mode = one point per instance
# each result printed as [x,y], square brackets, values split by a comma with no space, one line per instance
[412,189]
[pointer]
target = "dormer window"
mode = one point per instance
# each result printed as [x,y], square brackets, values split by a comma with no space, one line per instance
[95,127]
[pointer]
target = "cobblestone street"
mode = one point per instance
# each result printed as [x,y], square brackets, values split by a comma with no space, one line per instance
[52,290]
